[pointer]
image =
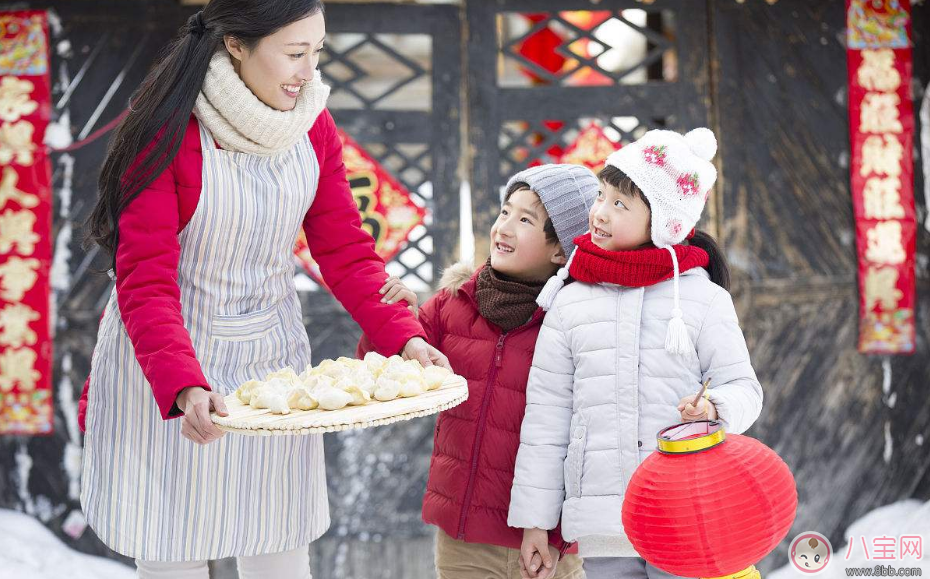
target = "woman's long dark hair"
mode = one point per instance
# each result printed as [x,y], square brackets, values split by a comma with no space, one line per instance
[148,139]
[717,267]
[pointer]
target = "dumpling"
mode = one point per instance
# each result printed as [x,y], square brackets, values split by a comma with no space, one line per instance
[374,362]
[307,402]
[411,388]
[350,363]
[435,376]
[273,401]
[279,386]
[301,399]
[401,372]
[330,368]
[393,362]
[415,364]
[386,389]
[244,392]
[333,398]
[362,378]
[359,397]
[286,374]
[322,382]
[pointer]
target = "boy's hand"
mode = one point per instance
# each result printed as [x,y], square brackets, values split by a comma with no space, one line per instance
[705,409]
[394,290]
[537,558]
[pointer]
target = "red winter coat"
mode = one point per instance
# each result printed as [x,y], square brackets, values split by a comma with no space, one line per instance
[475,444]
[147,291]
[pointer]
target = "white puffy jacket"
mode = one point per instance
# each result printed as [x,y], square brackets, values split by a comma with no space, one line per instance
[602,385]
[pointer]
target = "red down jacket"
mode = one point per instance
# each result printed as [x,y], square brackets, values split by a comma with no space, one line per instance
[475,444]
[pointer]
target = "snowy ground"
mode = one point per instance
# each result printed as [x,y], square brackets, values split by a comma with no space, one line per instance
[30,551]
[910,517]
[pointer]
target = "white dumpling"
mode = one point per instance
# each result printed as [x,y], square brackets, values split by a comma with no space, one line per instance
[286,374]
[386,389]
[323,381]
[411,388]
[435,376]
[362,378]
[375,362]
[415,364]
[244,392]
[350,363]
[273,401]
[333,398]
[359,397]
[307,402]
[278,385]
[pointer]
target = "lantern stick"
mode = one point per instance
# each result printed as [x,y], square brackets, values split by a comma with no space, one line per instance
[701,393]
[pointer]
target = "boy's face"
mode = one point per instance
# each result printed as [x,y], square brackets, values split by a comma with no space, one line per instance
[519,247]
[619,222]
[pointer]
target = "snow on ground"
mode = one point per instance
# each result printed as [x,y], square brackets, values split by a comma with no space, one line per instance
[908,517]
[30,551]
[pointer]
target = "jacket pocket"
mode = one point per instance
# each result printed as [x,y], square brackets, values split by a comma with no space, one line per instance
[574,460]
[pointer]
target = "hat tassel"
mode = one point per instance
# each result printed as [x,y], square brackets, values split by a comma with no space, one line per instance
[555,283]
[677,340]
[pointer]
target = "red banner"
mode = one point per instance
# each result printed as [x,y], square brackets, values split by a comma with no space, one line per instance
[388,213]
[881,127]
[25,226]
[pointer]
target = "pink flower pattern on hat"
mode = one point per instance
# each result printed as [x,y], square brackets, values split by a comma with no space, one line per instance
[674,227]
[655,155]
[689,184]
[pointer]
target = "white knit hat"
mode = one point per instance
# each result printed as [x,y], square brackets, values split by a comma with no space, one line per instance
[675,174]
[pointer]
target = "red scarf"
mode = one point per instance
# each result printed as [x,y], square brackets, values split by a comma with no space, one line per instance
[636,268]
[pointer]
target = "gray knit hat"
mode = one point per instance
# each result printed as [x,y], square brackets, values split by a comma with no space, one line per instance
[567,192]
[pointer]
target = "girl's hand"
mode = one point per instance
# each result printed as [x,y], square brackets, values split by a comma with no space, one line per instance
[537,558]
[418,349]
[705,409]
[196,403]
[394,290]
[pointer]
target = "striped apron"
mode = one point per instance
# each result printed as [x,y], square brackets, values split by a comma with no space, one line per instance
[148,492]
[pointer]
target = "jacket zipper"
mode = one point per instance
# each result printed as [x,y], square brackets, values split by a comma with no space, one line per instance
[482,417]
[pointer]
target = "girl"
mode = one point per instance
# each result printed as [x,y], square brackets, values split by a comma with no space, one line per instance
[487,322]
[622,352]
[200,212]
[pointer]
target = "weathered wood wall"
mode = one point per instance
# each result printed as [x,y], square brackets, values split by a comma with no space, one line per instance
[779,105]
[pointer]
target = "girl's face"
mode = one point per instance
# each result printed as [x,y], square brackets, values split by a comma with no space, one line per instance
[279,65]
[619,222]
[519,248]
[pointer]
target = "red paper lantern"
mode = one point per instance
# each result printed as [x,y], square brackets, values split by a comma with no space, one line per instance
[709,504]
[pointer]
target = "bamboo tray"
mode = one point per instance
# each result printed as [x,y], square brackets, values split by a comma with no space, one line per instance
[243,419]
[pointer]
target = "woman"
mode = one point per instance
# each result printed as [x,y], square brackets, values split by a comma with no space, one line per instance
[201,212]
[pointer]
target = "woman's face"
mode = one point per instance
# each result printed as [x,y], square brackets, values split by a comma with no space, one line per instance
[281,63]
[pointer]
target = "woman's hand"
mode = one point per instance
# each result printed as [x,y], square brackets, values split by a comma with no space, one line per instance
[394,290]
[196,403]
[705,409]
[418,349]
[538,558]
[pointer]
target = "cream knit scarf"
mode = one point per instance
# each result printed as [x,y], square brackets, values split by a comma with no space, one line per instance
[240,122]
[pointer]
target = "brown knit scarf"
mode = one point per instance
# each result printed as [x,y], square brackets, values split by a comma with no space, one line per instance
[504,301]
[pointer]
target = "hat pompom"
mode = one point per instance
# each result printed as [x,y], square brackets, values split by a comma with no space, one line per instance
[702,143]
